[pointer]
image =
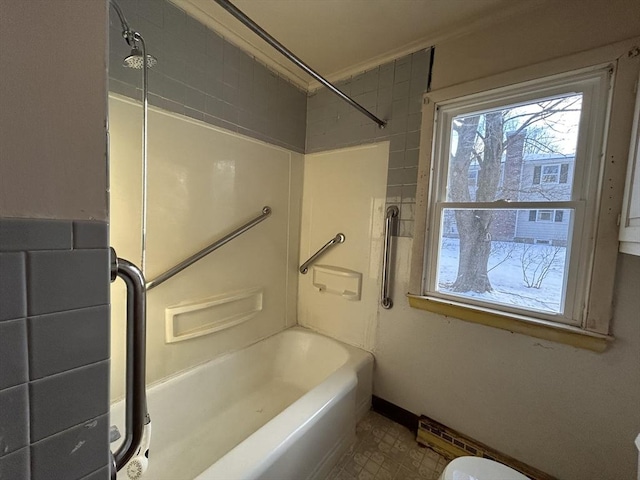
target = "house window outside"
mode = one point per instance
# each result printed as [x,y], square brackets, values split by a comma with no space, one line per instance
[551,174]
[473,178]
[509,233]
[546,215]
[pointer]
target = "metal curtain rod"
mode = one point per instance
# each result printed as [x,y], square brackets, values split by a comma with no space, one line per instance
[236,12]
[266,211]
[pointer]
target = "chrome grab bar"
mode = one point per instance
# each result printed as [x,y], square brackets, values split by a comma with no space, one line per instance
[266,211]
[339,238]
[390,228]
[135,399]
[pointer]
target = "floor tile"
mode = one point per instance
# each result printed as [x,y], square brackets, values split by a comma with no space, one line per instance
[385,450]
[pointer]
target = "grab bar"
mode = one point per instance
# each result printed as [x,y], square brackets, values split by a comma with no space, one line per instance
[339,238]
[266,211]
[390,228]
[135,399]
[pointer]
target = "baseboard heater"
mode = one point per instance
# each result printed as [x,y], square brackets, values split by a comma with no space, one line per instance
[448,442]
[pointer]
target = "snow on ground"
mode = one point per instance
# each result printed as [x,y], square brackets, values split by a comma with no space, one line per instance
[507,278]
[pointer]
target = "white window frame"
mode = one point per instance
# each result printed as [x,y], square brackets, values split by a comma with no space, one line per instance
[594,86]
[595,321]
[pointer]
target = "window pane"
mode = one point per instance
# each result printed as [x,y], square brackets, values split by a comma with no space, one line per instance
[524,261]
[517,153]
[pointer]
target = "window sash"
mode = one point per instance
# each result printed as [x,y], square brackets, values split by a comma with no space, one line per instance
[572,269]
[592,84]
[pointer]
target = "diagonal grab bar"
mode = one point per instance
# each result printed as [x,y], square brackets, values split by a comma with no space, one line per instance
[266,211]
[339,238]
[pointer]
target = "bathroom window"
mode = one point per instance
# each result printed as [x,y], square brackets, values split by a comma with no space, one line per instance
[512,205]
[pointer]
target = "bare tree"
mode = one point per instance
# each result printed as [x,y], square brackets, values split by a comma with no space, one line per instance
[482,141]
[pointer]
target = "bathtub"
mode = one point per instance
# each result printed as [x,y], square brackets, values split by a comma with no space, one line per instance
[282,408]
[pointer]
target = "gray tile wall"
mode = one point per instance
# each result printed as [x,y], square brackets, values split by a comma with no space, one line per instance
[54,349]
[203,76]
[393,92]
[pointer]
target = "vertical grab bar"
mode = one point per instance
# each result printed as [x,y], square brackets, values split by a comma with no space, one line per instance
[390,228]
[135,400]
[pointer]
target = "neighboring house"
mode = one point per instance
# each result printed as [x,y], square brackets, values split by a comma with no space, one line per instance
[528,177]
[545,177]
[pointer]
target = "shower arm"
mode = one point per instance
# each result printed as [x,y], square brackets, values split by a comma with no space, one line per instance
[134,38]
[253,26]
[127,33]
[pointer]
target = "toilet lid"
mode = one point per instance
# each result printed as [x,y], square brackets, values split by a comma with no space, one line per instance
[475,468]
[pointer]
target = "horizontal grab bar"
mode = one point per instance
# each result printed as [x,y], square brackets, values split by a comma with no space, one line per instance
[339,238]
[266,211]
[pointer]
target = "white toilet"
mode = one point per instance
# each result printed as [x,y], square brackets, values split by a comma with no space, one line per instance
[476,468]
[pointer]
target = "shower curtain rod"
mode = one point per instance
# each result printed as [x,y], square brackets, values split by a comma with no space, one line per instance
[237,13]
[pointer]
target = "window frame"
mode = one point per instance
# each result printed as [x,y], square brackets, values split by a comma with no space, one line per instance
[593,331]
[593,84]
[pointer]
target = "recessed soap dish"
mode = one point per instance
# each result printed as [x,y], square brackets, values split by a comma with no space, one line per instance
[210,315]
[338,281]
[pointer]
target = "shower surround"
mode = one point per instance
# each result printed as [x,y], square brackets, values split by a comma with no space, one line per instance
[203,183]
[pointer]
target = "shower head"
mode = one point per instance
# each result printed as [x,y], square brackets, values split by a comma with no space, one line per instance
[134,60]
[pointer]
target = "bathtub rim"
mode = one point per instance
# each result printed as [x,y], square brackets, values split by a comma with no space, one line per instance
[355,353]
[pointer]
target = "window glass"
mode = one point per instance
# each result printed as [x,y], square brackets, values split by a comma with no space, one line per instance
[512,188]
[523,142]
[526,266]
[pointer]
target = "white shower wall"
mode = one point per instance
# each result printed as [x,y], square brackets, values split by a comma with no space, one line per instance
[203,182]
[344,192]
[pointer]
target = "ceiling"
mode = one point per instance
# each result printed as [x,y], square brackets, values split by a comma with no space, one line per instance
[340,38]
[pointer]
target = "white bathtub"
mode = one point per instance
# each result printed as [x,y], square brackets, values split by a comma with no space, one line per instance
[283,408]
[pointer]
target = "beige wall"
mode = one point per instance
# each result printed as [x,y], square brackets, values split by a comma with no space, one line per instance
[344,192]
[569,412]
[52,120]
[203,183]
[555,29]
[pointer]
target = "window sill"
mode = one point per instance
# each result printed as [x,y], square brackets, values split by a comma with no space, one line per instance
[542,329]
